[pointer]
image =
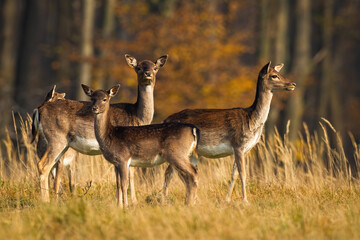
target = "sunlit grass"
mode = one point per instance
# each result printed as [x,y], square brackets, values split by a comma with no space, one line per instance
[301,190]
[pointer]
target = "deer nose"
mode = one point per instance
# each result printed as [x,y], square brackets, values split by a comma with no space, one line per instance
[147,74]
[94,108]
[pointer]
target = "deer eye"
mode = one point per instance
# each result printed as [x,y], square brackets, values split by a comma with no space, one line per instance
[155,68]
[274,76]
[104,100]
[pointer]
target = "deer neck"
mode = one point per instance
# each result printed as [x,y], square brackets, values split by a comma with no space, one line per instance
[145,104]
[102,127]
[259,110]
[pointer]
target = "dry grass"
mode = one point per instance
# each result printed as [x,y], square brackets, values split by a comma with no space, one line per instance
[300,190]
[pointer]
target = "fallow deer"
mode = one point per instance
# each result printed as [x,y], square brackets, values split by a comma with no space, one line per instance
[234,131]
[142,146]
[67,126]
[51,96]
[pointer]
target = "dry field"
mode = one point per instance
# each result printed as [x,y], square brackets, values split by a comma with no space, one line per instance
[301,190]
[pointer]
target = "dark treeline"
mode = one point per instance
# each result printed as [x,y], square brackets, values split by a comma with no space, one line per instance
[215,51]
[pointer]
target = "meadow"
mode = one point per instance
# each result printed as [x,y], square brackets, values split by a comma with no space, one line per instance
[305,189]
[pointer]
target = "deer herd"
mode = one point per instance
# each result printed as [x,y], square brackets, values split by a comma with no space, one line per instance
[123,132]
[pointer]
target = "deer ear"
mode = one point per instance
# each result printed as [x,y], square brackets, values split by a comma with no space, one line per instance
[278,67]
[62,95]
[268,67]
[50,94]
[88,91]
[131,61]
[113,91]
[265,70]
[161,61]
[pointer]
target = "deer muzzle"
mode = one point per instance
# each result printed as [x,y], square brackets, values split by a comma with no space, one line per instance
[291,87]
[95,109]
[147,76]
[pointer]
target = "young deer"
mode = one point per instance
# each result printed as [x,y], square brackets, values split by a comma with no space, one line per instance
[234,131]
[142,146]
[66,124]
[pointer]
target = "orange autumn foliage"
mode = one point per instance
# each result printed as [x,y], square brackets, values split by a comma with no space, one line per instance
[203,69]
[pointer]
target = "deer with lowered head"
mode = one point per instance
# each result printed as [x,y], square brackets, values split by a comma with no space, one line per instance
[234,131]
[142,146]
[51,96]
[67,126]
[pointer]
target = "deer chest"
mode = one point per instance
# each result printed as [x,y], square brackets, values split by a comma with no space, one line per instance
[251,139]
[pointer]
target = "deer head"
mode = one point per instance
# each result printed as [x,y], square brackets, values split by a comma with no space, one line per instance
[272,79]
[52,96]
[146,70]
[100,99]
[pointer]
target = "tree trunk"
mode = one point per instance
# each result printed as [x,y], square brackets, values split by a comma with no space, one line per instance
[281,56]
[64,33]
[329,97]
[102,79]
[86,46]
[27,66]
[301,66]
[8,61]
[326,71]
[264,50]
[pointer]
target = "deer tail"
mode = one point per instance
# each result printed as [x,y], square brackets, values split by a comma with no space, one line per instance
[196,134]
[35,124]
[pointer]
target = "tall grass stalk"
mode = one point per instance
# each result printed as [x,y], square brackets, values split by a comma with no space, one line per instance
[304,189]
[309,160]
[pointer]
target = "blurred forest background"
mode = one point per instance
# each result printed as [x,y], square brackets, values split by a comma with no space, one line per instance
[216,49]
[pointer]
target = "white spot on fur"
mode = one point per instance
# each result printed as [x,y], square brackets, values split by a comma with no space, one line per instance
[223,149]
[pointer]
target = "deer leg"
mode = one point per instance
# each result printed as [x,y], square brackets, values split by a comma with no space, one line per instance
[241,165]
[191,182]
[132,186]
[52,174]
[67,161]
[193,185]
[184,178]
[71,177]
[234,176]
[45,165]
[168,176]
[119,201]
[188,173]
[41,150]
[124,180]
[57,181]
